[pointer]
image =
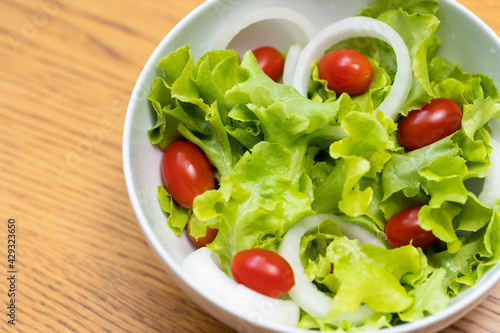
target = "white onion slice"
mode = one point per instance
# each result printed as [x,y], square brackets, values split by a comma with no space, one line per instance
[354,231]
[201,266]
[262,309]
[491,188]
[291,60]
[300,23]
[355,318]
[305,293]
[212,278]
[360,27]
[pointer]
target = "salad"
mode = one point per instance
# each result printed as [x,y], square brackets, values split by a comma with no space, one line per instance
[347,199]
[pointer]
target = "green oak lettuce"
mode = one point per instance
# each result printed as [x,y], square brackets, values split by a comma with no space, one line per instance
[368,283]
[255,205]
[189,104]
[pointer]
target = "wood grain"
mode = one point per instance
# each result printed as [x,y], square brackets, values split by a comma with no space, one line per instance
[67,68]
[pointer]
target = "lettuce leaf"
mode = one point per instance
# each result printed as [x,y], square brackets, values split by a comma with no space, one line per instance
[189,101]
[429,297]
[369,274]
[284,116]
[368,283]
[479,252]
[255,204]
[177,217]
[409,6]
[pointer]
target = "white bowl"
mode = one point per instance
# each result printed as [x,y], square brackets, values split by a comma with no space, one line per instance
[465,39]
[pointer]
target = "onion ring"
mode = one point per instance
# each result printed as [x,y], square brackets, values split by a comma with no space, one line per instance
[360,27]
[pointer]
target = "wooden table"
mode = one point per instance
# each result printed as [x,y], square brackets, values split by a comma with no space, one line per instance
[67,68]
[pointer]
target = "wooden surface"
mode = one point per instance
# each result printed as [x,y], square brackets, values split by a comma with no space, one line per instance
[67,69]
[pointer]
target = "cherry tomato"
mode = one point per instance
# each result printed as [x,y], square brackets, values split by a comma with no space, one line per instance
[263,271]
[433,122]
[403,228]
[186,172]
[346,71]
[271,61]
[205,240]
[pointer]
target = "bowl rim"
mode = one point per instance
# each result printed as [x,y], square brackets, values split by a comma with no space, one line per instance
[175,271]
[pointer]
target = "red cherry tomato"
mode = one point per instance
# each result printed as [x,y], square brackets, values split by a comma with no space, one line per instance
[271,61]
[205,240]
[263,271]
[346,71]
[433,122]
[186,172]
[403,228]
